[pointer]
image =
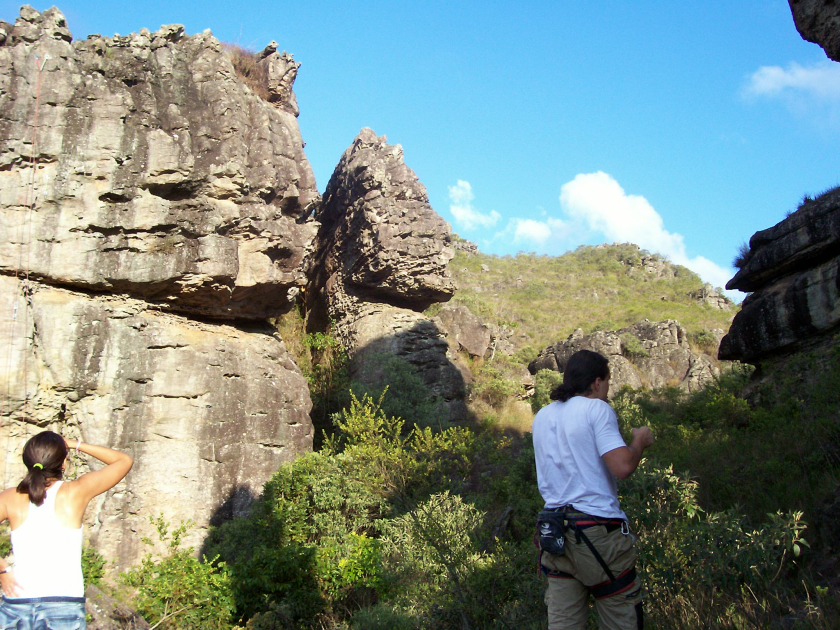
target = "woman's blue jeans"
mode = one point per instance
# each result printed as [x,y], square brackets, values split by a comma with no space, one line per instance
[43,613]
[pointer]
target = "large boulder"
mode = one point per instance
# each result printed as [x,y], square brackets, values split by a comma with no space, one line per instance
[792,272]
[143,165]
[818,21]
[645,354]
[208,411]
[382,259]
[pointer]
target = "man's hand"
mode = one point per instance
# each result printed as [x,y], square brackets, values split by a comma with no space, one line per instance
[643,436]
[624,460]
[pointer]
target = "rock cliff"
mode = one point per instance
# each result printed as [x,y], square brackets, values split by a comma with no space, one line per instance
[818,21]
[792,272]
[143,165]
[155,211]
[381,260]
[646,354]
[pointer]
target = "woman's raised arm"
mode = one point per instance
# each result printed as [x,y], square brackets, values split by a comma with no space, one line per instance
[89,485]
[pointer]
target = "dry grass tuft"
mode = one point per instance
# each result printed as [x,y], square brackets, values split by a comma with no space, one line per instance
[252,73]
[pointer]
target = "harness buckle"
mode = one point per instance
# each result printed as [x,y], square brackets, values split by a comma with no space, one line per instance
[625,528]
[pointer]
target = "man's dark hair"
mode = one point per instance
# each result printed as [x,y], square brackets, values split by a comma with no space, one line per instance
[582,368]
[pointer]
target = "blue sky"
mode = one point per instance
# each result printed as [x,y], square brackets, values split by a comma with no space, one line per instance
[539,126]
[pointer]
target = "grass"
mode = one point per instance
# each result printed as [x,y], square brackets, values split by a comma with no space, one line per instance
[247,67]
[544,298]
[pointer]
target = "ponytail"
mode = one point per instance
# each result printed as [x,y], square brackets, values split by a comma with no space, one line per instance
[582,368]
[43,456]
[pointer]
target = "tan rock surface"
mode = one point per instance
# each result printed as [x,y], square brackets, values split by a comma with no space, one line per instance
[208,411]
[143,165]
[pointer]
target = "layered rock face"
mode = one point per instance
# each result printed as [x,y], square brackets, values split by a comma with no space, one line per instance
[792,272]
[142,165]
[646,354]
[142,186]
[382,257]
[818,21]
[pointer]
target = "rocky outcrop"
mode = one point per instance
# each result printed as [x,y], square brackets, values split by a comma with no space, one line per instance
[818,21]
[382,257]
[792,272]
[208,411]
[646,354]
[143,165]
[709,296]
[154,212]
[464,330]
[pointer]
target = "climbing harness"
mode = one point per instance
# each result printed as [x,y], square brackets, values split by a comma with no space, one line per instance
[552,526]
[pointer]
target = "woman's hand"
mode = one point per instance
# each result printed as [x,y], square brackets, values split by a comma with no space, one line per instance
[70,444]
[9,583]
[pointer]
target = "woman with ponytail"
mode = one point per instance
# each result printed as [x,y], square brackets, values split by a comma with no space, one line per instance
[44,589]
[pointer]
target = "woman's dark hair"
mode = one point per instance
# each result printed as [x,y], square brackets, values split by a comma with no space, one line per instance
[48,450]
[582,368]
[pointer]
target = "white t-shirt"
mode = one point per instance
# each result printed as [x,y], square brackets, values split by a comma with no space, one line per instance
[569,439]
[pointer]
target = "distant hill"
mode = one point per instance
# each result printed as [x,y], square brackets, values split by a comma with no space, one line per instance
[545,298]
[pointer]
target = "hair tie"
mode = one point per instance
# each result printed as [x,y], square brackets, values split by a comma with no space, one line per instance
[38,465]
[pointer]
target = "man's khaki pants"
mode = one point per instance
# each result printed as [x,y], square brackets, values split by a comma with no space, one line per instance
[567,598]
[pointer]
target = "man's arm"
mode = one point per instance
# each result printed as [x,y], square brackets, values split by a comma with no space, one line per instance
[624,460]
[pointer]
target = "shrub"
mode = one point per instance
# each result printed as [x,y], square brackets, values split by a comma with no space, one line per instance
[742,256]
[400,390]
[177,591]
[246,64]
[495,382]
[93,565]
[544,382]
[632,347]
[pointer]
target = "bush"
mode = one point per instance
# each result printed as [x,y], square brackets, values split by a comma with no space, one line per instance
[93,565]
[246,64]
[544,382]
[177,591]
[400,390]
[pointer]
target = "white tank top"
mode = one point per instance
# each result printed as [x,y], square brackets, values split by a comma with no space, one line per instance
[48,555]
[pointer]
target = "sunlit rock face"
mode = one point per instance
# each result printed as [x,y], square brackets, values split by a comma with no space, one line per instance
[154,212]
[646,354]
[382,259]
[792,272]
[154,171]
[818,21]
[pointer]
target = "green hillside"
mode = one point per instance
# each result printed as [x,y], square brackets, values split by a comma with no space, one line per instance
[545,298]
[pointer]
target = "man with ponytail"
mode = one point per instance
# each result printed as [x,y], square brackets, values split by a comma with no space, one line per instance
[585,541]
[44,589]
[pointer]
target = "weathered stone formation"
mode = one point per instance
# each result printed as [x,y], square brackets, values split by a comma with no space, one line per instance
[709,296]
[646,354]
[154,171]
[818,21]
[142,186]
[382,256]
[792,272]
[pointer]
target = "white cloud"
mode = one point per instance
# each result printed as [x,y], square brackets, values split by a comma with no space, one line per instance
[811,93]
[536,234]
[598,202]
[821,80]
[466,216]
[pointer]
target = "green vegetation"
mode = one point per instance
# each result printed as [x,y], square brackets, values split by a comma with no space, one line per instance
[394,526]
[177,591]
[398,521]
[593,288]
